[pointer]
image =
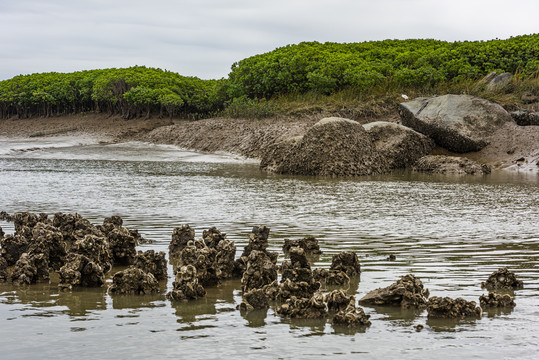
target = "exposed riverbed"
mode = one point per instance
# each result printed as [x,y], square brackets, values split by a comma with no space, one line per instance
[451,232]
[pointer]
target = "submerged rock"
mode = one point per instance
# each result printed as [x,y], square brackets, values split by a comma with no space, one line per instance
[186,286]
[332,147]
[459,123]
[496,300]
[30,268]
[133,281]
[180,237]
[79,270]
[309,244]
[447,308]
[13,246]
[502,279]
[304,308]
[442,164]
[398,144]
[153,263]
[347,262]
[408,292]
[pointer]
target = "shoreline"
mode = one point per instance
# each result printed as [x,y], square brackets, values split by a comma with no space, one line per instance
[512,148]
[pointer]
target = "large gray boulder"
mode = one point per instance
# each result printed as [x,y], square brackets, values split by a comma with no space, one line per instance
[332,147]
[459,123]
[400,145]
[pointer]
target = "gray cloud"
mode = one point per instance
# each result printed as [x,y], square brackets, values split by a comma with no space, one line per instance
[205,37]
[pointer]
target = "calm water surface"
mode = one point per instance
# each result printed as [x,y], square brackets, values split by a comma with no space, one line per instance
[451,232]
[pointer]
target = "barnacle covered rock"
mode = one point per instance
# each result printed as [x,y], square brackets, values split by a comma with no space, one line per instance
[152,262]
[305,308]
[502,279]
[448,308]
[337,300]
[133,281]
[79,270]
[408,292]
[260,271]
[95,248]
[122,246]
[180,237]
[186,286]
[48,240]
[494,300]
[30,268]
[351,317]
[309,244]
[347,262]
[13,246]
[3,270]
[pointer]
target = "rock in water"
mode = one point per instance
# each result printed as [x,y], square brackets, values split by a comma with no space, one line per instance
[502,279]
[309,244]
[496,300]
[347,262]
[186,286]
[400,145]
[351,317]
[304,308]
[407,292]
[30,268]
[133,281]
[180,237]
[447,308]
[79,270]
[13,246]
[3,270]
[459,123]
[152,262]
[332,147]
[441,164]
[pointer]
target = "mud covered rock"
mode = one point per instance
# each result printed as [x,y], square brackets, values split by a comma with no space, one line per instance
[502,279]
[525,118]
[48,240]
[337,301]
[260,271]
[96,249]
[309,244]
[186,286]
[79,270]
[254,299]
[304,308]
[13,246]
[180,237]
[332,147]
[398,144]
[494,300]
[152,262]
[408,292]
[442,164]
[4,276]
[122,246]
[331,277]
[351,317]
[133,281]
[448,308]
[459,123]
[30,268]
[347,262]
[258,240]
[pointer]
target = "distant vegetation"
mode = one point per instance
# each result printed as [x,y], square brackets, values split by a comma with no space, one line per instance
[310,70]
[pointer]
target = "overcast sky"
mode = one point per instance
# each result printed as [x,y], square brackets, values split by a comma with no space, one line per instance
[205,37]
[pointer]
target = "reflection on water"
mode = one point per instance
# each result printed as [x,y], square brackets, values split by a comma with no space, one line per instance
[451,232]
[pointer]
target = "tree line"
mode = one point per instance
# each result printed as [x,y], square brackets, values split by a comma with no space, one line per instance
[323,68]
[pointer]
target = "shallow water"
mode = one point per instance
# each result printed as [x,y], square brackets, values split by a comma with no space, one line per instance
[451,232]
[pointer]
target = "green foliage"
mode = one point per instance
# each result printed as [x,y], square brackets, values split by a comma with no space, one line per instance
[390,64]
[129,92]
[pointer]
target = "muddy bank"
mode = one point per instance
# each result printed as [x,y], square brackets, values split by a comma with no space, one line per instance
[511,147]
